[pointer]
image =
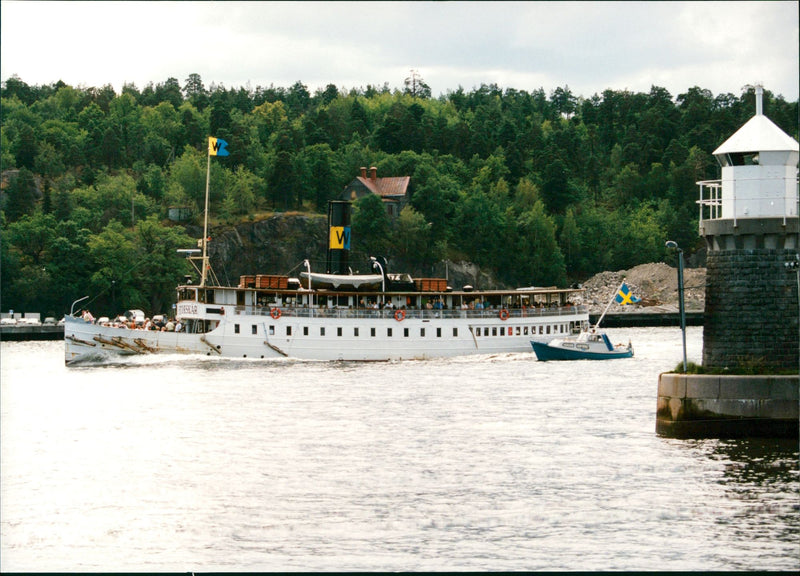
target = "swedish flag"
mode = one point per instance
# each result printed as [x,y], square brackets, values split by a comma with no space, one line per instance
[217,147]
[624,296]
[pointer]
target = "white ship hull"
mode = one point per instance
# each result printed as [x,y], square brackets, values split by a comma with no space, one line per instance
[327,334]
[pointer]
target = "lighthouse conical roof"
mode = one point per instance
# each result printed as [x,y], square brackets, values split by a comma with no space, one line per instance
[759,134]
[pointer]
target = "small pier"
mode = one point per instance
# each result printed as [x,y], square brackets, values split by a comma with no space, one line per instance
[31,332]
[647,319]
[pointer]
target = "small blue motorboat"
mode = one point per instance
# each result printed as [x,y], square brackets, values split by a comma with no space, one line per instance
[588,345]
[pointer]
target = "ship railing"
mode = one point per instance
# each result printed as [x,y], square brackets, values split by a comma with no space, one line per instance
[410,313]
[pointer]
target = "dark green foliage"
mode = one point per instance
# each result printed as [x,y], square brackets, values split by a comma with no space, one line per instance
[371,227]
[20,194]
[536,189]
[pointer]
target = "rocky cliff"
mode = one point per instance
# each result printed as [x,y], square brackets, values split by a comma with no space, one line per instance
[275,245]
[280,243]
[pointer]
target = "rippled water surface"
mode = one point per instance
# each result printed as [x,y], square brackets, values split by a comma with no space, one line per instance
[476,463]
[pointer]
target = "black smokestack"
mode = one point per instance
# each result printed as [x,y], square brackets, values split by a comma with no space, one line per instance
[338,237]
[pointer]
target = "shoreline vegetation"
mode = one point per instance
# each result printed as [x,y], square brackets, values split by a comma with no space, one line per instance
[99,189]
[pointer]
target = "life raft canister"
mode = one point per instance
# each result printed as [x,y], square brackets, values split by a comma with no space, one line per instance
[399,315]
[504,314]
[275,313]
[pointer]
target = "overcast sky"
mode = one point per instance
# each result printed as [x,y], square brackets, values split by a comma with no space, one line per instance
[588,46]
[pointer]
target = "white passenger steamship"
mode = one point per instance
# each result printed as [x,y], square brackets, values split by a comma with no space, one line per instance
[337,315]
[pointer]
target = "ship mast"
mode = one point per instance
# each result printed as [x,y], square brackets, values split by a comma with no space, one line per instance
[204,263]
[216,147]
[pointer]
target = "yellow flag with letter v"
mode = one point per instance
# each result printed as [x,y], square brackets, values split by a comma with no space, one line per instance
[217,147]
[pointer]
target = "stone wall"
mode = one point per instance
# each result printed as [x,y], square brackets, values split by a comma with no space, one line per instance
[712,406]
[751,309]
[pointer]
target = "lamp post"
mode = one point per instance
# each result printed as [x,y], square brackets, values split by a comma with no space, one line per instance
[673,244]
[795,265]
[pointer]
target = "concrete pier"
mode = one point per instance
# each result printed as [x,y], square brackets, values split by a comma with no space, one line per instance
[720,406]
[31,332]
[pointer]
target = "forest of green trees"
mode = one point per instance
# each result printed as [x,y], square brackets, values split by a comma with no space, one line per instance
[540,189]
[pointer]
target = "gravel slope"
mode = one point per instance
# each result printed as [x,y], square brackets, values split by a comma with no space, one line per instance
[655,283]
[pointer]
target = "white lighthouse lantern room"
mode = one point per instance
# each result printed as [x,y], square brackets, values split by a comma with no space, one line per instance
[759,173]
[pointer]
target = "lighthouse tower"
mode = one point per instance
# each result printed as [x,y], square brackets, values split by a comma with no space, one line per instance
[749,220]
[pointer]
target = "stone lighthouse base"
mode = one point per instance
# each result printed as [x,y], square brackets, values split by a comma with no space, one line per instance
[715,406]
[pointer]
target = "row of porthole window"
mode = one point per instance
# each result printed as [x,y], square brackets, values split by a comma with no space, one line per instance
[485,331]
[522,330]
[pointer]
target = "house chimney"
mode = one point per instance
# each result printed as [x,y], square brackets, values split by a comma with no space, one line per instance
[364,172]
[373,173]
[759,95]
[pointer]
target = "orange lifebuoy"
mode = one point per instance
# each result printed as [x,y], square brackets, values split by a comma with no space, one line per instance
[399,315]
[275,313]
[503,314]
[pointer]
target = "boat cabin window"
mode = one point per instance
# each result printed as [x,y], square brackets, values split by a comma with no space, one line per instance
[235,328]
[372,332]
[187,294]
[254,328]
[405,332]
[389,332]
[271,330]
[339,331]
[322,330]
[288,330]
[455,332]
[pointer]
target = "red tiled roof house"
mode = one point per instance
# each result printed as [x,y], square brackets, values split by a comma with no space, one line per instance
[392,190]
